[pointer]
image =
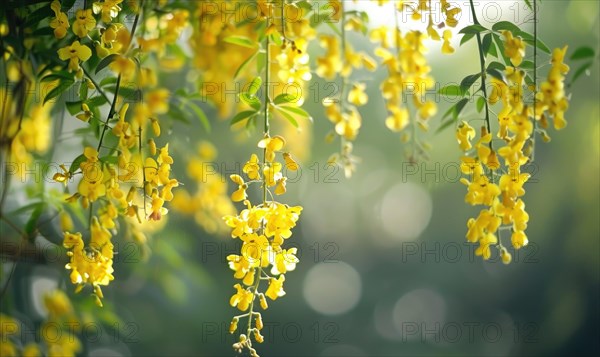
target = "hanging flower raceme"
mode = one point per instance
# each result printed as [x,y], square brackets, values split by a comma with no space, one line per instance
[496,177]
[262,230]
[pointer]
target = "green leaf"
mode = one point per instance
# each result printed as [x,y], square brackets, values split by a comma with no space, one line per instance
[580,71]
[240,41]
[285,98]
[57,75]
[251,101]
[446,124]
[495,73]
[176,114]
[83,90]
[451,90]
[496,65]
[74,107]
[37,16]
[466,38]
[244,64]
[200,115]
[500,45]
[486,43]
[107,80]
[276,38]
[529,39]
[459,107]
[528,3]
[506,25]
[31,224]
[105,62]
[468,81]
[75,164]
[254,85]
[473,29]
[242,116]
[295,110]
[289,117]
[95,102]
[582,52]
[526,65]
[480,104]
[26,208]
[55,92]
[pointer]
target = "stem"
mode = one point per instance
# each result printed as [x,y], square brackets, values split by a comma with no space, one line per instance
[98,88]
[266,101]
[482,64]
[111,112]
[535,123]
[143,168]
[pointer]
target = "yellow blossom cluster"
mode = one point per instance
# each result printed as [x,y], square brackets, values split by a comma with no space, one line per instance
[409,78]
[499,185]
[131,180]
[340,60]
[218,59]
[262,230]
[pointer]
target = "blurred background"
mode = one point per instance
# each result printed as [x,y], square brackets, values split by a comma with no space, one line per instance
[385,268]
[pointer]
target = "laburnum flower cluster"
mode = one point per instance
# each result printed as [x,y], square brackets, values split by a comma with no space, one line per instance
[340,60]
[403,55]
[262,230]
[132,179]
[496,176]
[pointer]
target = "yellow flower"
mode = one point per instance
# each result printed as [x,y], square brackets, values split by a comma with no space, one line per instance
[271,145]
[84,22]
[60,23]
[252,168]
[156,207]
[109,9]
[290,163]
[123,66]
[505,256]
[485,223]
[239,194]
[484,246]
[480,191]
[357,95]
[280,188]
[398,120]
[75,53]
[272,173]
[242,298]
[446,47]
[275,289]
[433,34]
[86,115]
[512,183]
[514,48]
[464,134]
[519,239]
[256,250]
[349,125]
[285,261]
